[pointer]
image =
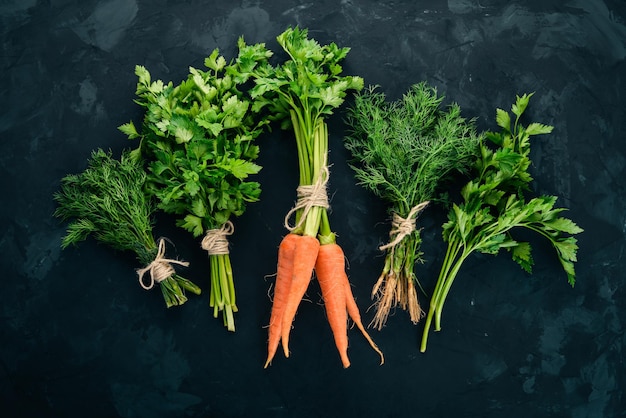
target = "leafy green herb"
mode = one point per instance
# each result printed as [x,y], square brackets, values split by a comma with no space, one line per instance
[403,152]
[198,138]
[107,201]
[300,93]
[494,204]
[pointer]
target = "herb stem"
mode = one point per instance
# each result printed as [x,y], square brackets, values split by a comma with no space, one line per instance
[451,265]
[493,205]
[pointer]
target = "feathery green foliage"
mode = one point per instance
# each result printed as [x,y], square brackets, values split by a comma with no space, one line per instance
[404,152]
[107,201]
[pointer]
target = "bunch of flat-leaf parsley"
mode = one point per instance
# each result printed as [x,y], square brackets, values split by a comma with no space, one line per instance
[198,138]
[494,205]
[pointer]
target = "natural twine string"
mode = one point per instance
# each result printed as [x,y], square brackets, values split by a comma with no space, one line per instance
[401,227]
[308,197]
[160,268]
[215,241]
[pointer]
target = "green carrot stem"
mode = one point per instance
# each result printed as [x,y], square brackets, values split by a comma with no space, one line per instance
[312,145]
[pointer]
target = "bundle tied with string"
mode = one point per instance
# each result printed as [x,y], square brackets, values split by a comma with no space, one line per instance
[401,227]
[159,269]
[309,196]
[395,284]
[215,241]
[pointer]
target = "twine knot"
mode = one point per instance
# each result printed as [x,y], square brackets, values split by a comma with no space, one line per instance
[160,268]
[215,241]
[309,195]
[401,227]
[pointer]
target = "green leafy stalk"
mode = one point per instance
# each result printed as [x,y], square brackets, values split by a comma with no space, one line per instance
[300,93]
[198,138]
[404,152]
[494,204]
[107,201]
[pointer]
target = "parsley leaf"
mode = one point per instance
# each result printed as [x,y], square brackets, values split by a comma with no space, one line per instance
[198,141]
[494,205]
[300,93]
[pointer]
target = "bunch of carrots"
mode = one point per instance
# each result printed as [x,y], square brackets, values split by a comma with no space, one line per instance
[299,93]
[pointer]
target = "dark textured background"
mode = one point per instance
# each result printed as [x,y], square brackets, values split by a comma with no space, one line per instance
[80,338]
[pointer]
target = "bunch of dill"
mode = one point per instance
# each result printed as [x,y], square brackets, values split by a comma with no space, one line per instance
[403,151]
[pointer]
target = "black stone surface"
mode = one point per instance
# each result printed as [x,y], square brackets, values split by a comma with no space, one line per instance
[80,338]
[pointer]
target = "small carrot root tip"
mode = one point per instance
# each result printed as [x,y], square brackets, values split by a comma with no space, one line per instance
[343,355]
[284,342]
[270,356]
[268,362]
[370,341]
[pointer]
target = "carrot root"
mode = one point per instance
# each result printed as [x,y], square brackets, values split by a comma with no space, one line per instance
[328,268]
[284,271]
[304,256]
[338,299]
[355,315]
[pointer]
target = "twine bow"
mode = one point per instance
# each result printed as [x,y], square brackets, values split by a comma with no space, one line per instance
[160,268]
[401,227]
[308,197]
[215,241]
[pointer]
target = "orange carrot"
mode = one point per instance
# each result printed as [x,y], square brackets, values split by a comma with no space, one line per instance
[329,265]
[353,311]
[338,299]
[284,272]
[304,256]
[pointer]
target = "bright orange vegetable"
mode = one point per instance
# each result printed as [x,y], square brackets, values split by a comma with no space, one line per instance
[338,299]
[284,272]
[304,256]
